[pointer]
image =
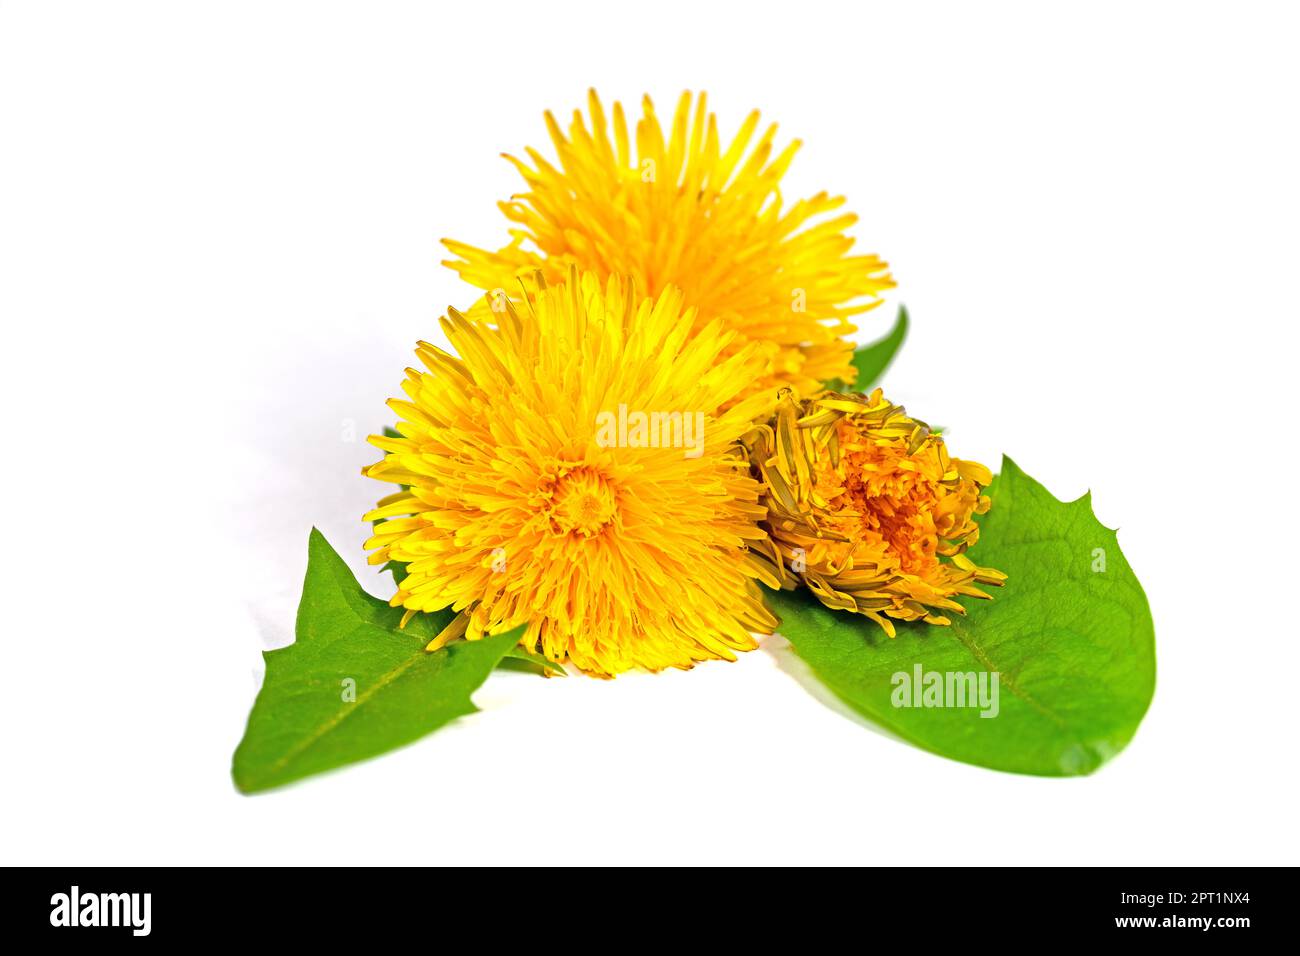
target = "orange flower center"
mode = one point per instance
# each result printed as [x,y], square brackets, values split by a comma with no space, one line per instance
[582,502]
[892,499]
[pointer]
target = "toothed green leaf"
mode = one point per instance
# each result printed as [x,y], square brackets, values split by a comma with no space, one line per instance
[1069,635]
[352,685]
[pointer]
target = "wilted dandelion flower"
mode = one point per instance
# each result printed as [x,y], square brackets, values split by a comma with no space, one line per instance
[681,207]
[571,471]
[866,507]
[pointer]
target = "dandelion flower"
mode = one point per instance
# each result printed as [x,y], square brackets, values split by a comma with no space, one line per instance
[533,492]
[866,507]
[689,211]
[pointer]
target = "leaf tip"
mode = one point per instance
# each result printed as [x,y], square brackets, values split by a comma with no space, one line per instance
[245,782]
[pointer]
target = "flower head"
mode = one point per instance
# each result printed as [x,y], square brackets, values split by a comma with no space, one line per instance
[571,471]
[687,210]
[865,507]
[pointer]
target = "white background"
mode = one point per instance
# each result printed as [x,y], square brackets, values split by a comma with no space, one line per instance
[218,246]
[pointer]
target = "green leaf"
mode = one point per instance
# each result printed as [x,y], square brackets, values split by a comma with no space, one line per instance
[520,659]
[1069,635]
[352,685]
[871,360]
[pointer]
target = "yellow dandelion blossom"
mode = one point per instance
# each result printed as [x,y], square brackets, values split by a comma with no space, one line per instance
[571,471]
[690,211]
[866,507]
